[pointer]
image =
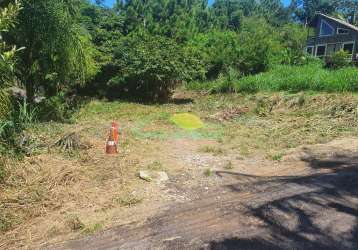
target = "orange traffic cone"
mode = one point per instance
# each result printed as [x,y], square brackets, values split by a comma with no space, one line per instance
[115,132]
[111,145]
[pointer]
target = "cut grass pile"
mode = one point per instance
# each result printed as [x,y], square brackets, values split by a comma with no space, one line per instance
[187,121]
[311,77]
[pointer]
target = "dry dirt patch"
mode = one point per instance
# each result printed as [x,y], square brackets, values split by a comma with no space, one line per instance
[310,205]
[53,196]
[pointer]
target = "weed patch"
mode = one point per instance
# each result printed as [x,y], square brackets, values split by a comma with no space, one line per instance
[229,166]
[92,228]
[129,200]
[208,172]
[6,221]
[277,157]
[155,166]
[74,222]
[212,150]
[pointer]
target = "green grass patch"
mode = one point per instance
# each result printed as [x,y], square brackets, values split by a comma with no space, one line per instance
[310,77]
[301,78]
[208,172]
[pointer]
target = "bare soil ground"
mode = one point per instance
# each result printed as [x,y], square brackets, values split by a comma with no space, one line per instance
[312,205]
[266,171]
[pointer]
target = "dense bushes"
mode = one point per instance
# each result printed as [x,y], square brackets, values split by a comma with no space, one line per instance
[254,48]
[261,46]
[149,67]
[217,50]
[338,60]
[7,62]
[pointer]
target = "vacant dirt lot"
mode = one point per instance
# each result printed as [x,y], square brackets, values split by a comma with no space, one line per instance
[267,171]
[307,208]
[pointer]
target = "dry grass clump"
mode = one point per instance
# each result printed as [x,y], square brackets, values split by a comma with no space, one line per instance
[230,113]
[71,142]
[51,186]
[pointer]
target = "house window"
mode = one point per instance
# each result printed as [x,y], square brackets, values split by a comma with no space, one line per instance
[341,31]
[309,50]
[321,50]
[326,29]
[331,49]
[348,47]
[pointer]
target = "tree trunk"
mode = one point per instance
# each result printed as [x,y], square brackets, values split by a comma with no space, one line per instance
[30,88]
[29,78]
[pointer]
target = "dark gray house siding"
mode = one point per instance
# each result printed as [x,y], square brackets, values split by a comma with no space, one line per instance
[344,36]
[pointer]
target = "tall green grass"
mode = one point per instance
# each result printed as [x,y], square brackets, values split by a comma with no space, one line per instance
[299,78]
[294,78]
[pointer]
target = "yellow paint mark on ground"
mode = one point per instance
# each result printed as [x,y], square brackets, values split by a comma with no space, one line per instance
[187,121]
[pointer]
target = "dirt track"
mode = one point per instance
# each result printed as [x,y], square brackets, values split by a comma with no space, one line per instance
[313,210]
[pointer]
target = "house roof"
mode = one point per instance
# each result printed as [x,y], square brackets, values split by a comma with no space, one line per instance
[344,23]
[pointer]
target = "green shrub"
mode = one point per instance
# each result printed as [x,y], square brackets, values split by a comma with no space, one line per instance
[54,108]
[254,49]
[338,60]
[149,67]
[218,51]
[261,47]
[293,38]
[225,83]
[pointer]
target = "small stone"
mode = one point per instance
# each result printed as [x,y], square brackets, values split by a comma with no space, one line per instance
[145,175]
[162,176]
[157,176]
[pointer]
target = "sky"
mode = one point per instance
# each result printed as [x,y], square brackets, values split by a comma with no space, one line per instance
[109,3]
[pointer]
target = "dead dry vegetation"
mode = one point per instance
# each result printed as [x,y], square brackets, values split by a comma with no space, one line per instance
[66,187]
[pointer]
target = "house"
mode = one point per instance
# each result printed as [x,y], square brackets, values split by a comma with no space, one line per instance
[331,35]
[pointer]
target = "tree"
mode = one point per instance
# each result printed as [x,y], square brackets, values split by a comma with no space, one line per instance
[8,16]
[55,45]
[293,38]
[218,50]
[105,27]
[227,14]
[261,46]
[171,18]
[305,10]
[7,20]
